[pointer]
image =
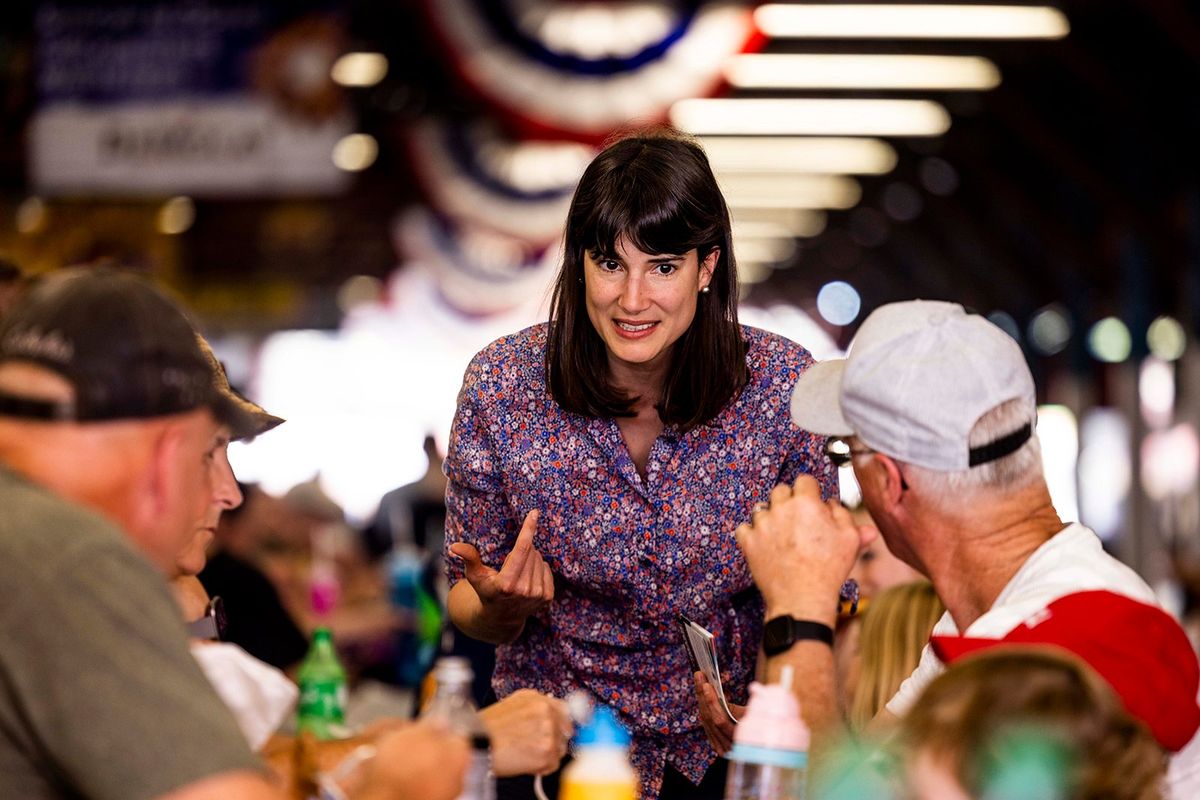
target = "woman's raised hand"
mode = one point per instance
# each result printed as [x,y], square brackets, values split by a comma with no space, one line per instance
[522,586]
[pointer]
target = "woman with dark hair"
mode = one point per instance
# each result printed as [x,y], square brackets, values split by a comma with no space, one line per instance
[599,463]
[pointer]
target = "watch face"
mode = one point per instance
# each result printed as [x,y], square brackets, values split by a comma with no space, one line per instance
[781,633]
[777,635]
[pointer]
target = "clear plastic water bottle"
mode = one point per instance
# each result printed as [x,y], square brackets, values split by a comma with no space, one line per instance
[601,769]
[452,702]
[769,759]
[322,681]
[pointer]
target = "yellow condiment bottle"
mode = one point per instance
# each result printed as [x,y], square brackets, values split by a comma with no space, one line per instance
[601,769]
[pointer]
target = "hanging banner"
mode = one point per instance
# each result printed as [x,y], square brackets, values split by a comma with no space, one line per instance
[185,98]
[475,176]
[583,69]
[478,272]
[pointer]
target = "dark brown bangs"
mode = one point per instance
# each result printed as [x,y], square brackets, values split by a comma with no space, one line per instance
[642,202]
[655,233]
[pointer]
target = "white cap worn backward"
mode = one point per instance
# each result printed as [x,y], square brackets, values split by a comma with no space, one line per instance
[918,376]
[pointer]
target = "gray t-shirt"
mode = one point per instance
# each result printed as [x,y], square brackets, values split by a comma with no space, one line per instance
[99,694]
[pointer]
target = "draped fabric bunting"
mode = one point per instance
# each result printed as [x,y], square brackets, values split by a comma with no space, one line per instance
[478,271]
[480,179]
[559,77]
[583,69]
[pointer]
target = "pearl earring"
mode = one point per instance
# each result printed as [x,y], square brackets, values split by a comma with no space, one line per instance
[703,290]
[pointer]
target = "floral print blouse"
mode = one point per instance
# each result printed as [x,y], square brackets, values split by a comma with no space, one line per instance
[628,552]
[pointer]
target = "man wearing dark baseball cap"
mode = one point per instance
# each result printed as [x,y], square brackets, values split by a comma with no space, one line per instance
[111,409]
[136,360]
[935,410]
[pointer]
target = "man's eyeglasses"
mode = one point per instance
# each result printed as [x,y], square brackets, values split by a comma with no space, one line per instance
[840,452]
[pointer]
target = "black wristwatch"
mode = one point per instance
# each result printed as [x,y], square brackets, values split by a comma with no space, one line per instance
[781,633]
[212,624]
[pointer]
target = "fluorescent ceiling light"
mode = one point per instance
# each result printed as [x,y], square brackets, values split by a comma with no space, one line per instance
[355,152]
[797,117]
[796,221]
[822,71]
[32,214]
[764,251]
[871,21]
[176,215]
[789,191]
[760,229]
[828,155]
[359,69]
[751,271]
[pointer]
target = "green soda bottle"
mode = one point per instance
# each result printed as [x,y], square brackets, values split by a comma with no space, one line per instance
[322,710]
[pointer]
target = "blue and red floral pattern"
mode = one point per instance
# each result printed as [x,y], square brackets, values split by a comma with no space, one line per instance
[628,552]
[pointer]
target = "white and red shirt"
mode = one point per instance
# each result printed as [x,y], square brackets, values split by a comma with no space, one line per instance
[1071,561]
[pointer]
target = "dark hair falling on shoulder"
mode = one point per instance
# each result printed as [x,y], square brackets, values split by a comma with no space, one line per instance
[656,190]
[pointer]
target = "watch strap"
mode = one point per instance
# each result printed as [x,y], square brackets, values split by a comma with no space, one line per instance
[784,631]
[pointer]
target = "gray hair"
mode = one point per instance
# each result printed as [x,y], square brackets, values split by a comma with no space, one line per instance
[1017,470]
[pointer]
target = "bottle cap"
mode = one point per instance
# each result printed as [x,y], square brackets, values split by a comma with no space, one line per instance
[453,669]
[603,730]
[324,588]
[772,720]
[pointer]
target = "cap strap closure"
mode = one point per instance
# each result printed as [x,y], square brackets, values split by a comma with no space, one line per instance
[50,410]
[1001,447]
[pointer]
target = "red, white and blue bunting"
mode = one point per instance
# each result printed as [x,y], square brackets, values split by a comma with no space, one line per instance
[584,69]
[476,177]
[478,272]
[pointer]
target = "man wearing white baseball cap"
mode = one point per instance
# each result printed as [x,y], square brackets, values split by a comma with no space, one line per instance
[935,410]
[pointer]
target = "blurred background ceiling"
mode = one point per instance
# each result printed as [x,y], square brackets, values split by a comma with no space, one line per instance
[1073,181]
